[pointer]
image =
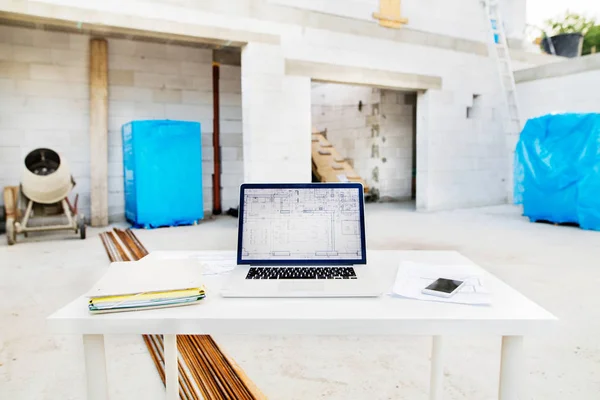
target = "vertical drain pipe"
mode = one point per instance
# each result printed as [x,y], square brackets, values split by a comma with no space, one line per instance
[216,142]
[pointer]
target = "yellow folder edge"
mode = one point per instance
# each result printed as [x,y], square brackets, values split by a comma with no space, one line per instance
[149,295]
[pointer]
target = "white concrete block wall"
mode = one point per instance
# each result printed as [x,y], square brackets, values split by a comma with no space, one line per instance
[568,93]
[44,101]
[395,142]
[232,164]
[157,81]
[377,139]
[276,118]
[466,20]
[464,73]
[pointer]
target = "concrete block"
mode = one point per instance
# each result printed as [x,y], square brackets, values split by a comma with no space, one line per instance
[120,108]
[150,50]
[166,96]
[47,39]
[230,99]
[116,184]
[115,169]
[80,42]
[121,47]
[202,84]
[58,73]
[70,58]
[125,93]
[207,154]
[231,127]
[232,180]
[230,72]
[233,167]
[196,97]
[235,86]
[231,113]
[196,69]
[206,138]
[208,167]
[7,86]
[230,154]
[121,77]
[26,54]
[188,112]
[185,53]
[231,140]
[160,66]
[179,82]
[127,62]
[14,70]
[148,110]
[149,80]
[115,154]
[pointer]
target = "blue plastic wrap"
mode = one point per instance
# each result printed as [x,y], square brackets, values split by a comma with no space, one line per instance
[162,161]
[557,169]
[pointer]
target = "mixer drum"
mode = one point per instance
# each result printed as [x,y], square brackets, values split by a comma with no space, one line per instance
[46,177]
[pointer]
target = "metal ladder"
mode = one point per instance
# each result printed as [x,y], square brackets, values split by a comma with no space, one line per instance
[498,47]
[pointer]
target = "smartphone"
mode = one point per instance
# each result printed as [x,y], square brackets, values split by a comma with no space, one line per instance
[443,287]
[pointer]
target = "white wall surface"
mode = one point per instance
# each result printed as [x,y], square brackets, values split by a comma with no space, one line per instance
[578,92]
[464,19]
[44,97]
[377,139]
[463,163]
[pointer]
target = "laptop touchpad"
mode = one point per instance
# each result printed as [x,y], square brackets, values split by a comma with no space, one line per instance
[301,286]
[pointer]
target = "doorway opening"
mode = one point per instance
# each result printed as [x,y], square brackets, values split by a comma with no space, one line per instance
[371,130]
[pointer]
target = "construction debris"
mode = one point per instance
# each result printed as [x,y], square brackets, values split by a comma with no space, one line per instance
[205,371]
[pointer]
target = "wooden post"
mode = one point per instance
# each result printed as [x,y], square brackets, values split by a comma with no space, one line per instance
[99,131]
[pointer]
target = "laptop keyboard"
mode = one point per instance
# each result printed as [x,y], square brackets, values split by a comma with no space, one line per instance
[301,273]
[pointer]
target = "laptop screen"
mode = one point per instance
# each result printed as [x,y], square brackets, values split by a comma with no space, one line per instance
[301,224]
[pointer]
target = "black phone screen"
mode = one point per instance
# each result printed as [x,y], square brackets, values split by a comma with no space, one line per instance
[444,285]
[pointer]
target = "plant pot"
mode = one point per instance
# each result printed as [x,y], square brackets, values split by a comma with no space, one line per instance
[565,44]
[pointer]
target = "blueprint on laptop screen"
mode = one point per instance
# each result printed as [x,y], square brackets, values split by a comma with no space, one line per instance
[301,224]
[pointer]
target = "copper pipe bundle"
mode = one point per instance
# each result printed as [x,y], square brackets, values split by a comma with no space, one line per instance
[205,371]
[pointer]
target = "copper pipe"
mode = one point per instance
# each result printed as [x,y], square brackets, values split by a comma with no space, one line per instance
[161,350]
[197,373]
[153,354]
[217,377]
[139,244]
[216,141]
[122,254]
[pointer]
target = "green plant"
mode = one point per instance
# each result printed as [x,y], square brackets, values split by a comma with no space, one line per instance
[569,23]
[591,40]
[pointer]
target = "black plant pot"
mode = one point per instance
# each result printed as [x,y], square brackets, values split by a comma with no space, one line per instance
[565,44]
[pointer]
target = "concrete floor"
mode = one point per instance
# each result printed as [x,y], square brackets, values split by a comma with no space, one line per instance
[554,266]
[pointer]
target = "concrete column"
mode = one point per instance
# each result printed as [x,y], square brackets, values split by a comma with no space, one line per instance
[99,131]
[422,179]
[275,117]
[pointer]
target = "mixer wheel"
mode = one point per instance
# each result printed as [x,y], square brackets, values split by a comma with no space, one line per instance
[81,227]
[11,234]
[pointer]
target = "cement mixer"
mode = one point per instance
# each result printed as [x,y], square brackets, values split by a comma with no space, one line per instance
[46,183]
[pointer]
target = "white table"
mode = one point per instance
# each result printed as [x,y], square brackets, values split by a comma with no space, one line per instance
[511,316]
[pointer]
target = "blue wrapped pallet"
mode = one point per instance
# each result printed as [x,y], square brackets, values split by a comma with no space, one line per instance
[162,162]
[557,169]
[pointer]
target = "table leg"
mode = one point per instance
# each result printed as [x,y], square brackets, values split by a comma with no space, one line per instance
[511,368]
[95,367]
[171,372]
[436,384]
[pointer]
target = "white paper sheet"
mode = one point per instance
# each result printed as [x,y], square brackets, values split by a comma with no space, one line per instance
[147,276]
[413,277]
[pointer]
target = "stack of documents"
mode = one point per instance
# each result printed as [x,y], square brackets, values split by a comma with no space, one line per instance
[142,285]
[413,277]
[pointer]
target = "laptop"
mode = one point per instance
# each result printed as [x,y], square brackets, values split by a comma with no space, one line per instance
[302,240]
